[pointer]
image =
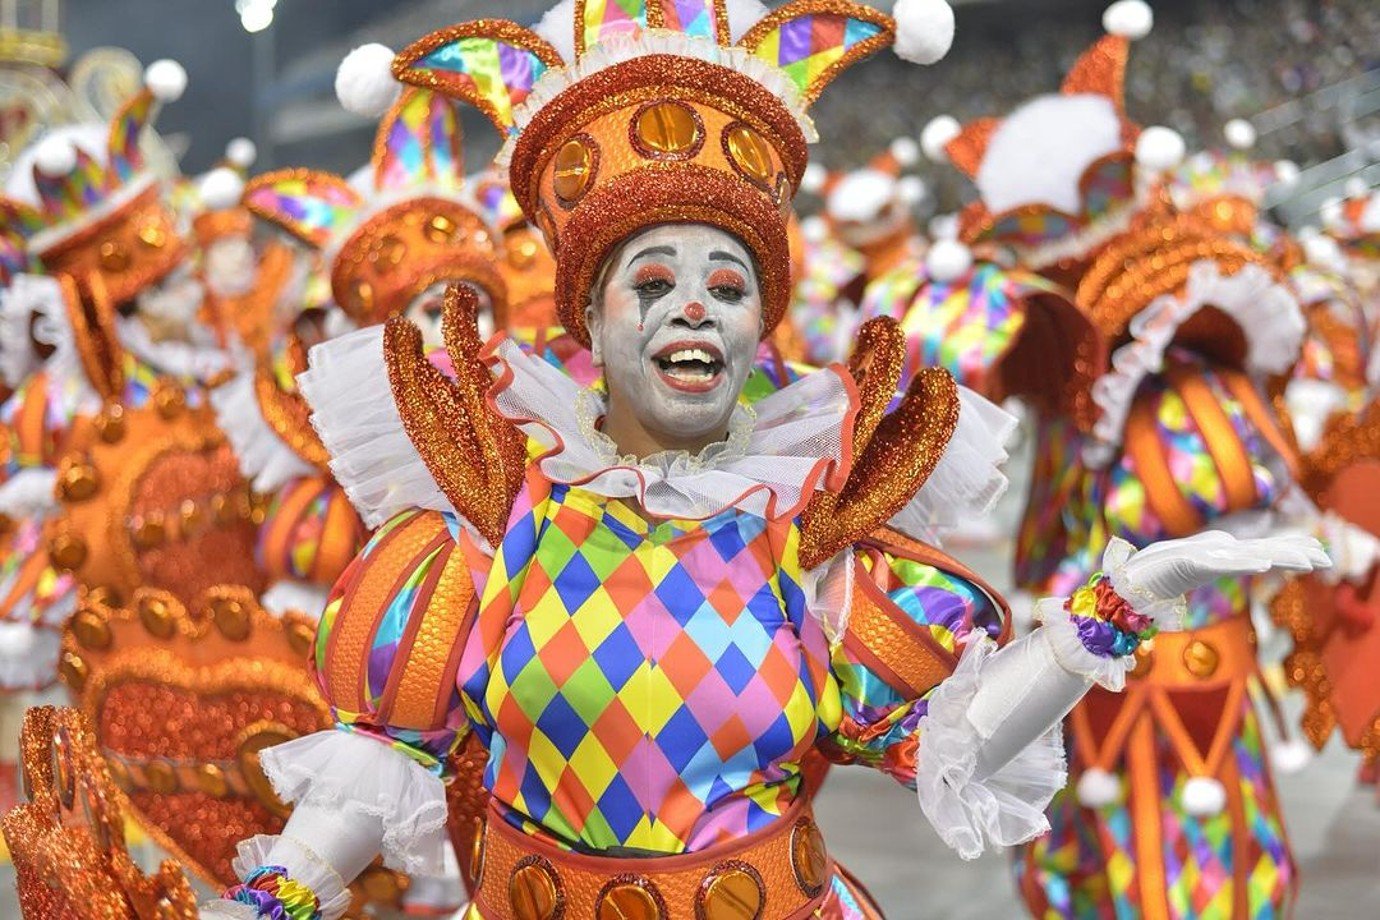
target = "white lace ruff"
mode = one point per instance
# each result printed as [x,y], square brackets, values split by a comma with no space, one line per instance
[1005,809]
[623,48]
[775,456]
[1073,656]
[968,480]
[265,459]
[353,411]
[1264,308]
[367,778]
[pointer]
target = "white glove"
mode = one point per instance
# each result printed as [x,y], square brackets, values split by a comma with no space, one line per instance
[1353,549]
[1161,573]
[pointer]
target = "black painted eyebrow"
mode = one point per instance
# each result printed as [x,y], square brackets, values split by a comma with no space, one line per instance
[654,251]
[719,255]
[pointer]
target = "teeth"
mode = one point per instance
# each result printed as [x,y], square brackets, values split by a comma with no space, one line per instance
[691,354]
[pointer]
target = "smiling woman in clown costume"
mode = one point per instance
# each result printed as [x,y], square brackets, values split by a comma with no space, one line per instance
[648,601]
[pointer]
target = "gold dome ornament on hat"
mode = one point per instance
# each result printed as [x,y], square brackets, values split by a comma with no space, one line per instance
[618,117]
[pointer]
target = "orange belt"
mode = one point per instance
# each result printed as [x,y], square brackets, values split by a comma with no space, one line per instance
[1216,654]
[780,872]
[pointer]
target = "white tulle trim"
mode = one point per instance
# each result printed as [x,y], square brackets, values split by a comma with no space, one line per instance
[364,776]
[181,360]
[1073,656]
[829,593]
[353,411]
[29,493]
[777,453]
[303,865]
[29,654]
[968,479]
[437,894]
[1084,240]
[1005,809]
[1264,308]
[226,910]
[623,48]
[265,459]
[1168,613]
[26,296]
[287,595]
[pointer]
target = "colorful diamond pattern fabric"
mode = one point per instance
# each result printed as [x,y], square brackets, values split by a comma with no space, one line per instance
[313,205]
[494,74]
[609,19]
[807,47]
[422,145]
[125,156]
[696,18]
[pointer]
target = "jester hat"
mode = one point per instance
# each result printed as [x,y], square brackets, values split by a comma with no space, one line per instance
[623,114]
[88,205]
[412,225]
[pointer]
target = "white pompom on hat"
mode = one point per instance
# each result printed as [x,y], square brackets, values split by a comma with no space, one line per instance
[1098,789]
[1203,797]
[936,136]
[910,190]
[813,179]
[905,151]
[1159,148]
[364,82]
[924,30]
[948,260]
[1129,19]
[166,79]
[1287,172]
[56,156]
[1240,134]
[241,152]
[220,189]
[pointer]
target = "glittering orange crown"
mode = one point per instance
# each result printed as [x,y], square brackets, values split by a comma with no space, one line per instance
[68,841]
[418,228]
[623,115]
[88,204]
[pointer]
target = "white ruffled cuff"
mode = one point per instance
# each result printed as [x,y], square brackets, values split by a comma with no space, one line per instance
[353,410]
[29,492]
[968,479]
[1073,656]
[226,910]
[1004,809]
[303,865]
[265,458]
[358,775]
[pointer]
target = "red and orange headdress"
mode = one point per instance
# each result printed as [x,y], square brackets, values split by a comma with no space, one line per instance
[415,225]
[623,114]
[89,206]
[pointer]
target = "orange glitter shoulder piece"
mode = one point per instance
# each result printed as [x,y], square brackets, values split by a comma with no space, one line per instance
[181,700]
[286,412]
[153,497]
[892,460]
[68,841]
[1334,627]
[476,456]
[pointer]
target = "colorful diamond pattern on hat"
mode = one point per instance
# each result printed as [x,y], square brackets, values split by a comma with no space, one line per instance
[498,76]
[313,205]
[421,146]
[808,46]
[696,18]
[68,196]
[649,686]
[608,19]
[125,129]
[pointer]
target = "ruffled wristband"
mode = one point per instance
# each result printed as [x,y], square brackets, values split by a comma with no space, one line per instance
[1106,623]
[275,896]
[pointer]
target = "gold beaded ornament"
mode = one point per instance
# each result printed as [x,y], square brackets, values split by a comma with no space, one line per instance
[622,116]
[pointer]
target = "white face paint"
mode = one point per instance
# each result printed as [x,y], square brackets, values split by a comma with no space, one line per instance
[230,266]
[675,327]
[169,308]
[426,308]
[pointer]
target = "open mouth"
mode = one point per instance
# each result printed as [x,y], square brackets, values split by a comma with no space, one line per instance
[692,367]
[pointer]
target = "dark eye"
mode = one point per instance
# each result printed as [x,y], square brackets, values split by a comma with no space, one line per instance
[654,287]
[729,293]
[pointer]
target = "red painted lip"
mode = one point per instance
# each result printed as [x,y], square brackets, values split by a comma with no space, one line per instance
[674,347]
[690,386]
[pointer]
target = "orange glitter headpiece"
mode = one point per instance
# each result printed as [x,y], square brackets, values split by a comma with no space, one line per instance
[87,203]
[624,114]
[415,227]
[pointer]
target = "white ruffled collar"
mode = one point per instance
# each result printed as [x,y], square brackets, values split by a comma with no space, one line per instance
[776,455]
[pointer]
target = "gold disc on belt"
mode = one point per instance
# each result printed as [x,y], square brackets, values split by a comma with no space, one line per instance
[809,860]
[1201,659]
[630,899]
[534,892]
[733,891]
